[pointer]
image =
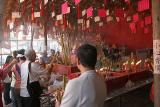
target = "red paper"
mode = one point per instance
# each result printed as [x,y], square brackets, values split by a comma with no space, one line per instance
[78,12]
[77,1]
[90,12]
[146,30]
[148,20]
[105,2]
[135,17]
[143,5]
[133,27]
[142,24]
[64,8]
[102,12]
[32,9]
[119,12]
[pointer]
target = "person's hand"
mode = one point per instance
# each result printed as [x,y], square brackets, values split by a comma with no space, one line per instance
[14,61]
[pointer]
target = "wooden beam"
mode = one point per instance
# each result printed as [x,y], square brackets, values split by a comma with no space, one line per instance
[156,49]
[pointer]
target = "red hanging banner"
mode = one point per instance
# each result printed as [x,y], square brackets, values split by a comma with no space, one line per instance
[41,8]
[64,8]
[146,30]
[101,12]
[148,20]
[132,27]
[64,22]
[33,4]
[105,2]
[142,24]
[119,12]
[90,12]
[135,17]
[77,1]
[24,7]
[143,5]
[78,12]
[53,8]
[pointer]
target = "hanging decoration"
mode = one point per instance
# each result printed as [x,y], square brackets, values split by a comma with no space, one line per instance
[102,12]
[87,23]
[142,24]
[146,30]
[143,5]
[129,18]
[105,2]
[24,7]
[80,21]
[101,24]
[118,19]
[132,27]
[77,1]
[107,12]
[53,14]
[119,12]
[64,8]
[90,12]
[135,17]
[45,2]
[59,17]
[32,10]
[16,15]
[78,11]
[37,14]
[74,13]
[109,18]
[148,20]
[83,12]
[21,1]
[97,19]
[53,10]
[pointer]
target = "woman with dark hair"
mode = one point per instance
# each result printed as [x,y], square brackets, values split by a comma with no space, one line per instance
[7,82]
[16,81]
[3,73]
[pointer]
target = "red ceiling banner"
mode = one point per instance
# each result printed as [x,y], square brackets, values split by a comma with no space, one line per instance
[132,27]
[143,5]
[119,12]
[90,12]
[77,1]
[135,17]
[78,11]
[148,20]
[102,12]
[146,30]
[32,9]
[105,2]
[64,8]
[142,24]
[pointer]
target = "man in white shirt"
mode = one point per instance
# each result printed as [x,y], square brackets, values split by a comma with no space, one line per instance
[35,73]
[88,90]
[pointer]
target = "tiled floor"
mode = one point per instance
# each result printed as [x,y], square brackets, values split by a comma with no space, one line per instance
[137,98]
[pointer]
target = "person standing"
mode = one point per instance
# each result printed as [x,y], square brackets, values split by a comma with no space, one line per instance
[88,90]
[3,74]
[34,73]
[16,81]
[7,82]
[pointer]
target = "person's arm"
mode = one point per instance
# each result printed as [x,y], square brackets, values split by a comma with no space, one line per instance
[5,70]
[39,71]
[70,97]
[9,67]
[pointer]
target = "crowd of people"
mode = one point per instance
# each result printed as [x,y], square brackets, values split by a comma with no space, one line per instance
[21,73]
